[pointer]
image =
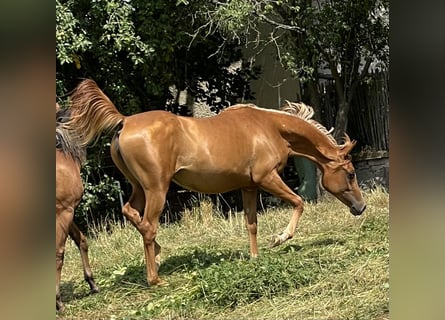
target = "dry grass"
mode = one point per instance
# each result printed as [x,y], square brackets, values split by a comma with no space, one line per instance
[335,267]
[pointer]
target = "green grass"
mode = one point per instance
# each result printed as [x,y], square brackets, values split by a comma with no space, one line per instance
[335,267]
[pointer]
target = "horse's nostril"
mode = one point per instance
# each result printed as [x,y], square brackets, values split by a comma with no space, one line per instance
[357,212]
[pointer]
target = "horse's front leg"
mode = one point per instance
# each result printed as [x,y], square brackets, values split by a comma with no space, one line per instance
[275,185]
[250,216]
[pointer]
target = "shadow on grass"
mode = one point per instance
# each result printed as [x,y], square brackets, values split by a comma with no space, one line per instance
[133,275]
[326,242]
[290,248]
[70,293]
[199,258]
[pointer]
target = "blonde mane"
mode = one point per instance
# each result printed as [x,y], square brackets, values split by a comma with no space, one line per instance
[299,110]
[305,112]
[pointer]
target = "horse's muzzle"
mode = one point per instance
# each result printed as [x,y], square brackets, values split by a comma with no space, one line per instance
[357,211]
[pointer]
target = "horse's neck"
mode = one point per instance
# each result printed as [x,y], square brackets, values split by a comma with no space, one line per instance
[308,141]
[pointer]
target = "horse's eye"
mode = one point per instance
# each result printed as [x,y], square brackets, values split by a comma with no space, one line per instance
[351,175]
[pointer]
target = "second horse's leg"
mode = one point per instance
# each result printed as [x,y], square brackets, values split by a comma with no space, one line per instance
[81,243]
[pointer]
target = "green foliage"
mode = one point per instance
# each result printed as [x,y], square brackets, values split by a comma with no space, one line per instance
[100,197]
[348,30]
[229,283]
[70,38]
[136,50]
[233,18]
[100,201]
[119,30]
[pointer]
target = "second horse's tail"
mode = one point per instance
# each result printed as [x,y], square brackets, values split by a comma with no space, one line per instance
[92,113]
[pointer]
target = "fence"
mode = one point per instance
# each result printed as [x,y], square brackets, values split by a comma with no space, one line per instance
[369,113]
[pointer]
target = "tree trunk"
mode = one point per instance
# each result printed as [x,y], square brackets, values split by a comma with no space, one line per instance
[314,97]
[341,120]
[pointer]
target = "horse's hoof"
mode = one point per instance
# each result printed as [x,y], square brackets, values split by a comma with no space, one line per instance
[95,290]
[60,307]
[163,283]
[275,241]
[158,282]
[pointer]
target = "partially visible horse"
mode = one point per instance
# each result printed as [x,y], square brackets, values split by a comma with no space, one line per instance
[244,147]
[69,190]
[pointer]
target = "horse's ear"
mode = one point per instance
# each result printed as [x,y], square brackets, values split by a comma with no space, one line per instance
[348,145]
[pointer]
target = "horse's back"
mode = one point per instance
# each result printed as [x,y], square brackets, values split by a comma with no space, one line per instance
[232,134]
[160,127]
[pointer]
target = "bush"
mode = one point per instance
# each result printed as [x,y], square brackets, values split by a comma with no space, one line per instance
[100,200]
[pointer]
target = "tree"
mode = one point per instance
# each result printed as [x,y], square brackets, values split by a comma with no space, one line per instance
[343,37]
[135,50]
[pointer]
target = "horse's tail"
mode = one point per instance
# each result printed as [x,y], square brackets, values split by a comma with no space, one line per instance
[92,113]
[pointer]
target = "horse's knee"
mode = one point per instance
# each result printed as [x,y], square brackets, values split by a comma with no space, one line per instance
[298,204]
[60,256]
[252,228]
[148,233]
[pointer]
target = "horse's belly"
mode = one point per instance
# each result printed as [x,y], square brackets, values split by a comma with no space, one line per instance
[211,182]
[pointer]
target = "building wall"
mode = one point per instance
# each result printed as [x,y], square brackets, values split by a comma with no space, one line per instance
[275,84]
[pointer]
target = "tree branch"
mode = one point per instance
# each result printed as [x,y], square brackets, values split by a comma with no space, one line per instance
[365,69]
[280,25]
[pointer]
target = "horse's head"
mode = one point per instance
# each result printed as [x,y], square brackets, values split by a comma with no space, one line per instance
[339,179]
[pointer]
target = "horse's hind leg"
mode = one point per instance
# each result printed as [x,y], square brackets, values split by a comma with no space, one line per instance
[81,242]
[148,228]
[136,211]
[63,219]
[133,210]
[275,185]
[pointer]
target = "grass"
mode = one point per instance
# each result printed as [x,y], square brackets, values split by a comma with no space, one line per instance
[335,267]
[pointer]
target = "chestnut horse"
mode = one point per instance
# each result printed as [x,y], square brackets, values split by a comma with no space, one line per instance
[69,191]
[244,147]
